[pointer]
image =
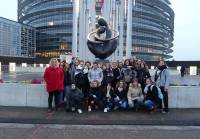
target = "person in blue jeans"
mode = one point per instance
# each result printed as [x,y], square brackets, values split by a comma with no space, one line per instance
[152,97]
[135,95]
[120,99]
[108,97]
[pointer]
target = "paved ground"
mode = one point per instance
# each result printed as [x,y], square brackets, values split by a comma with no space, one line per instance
[181,117]
[35,123]
[19,131]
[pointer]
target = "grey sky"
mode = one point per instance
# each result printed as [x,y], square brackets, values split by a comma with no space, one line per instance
[187,26]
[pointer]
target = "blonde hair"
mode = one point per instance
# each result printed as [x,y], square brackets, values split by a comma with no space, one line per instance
[54,60]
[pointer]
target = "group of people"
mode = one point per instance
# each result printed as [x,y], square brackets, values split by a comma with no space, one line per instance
[106,86]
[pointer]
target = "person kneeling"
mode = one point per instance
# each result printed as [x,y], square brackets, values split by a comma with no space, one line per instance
[108,98]
[135,96]
[75,99]
[152,97]
[95,96]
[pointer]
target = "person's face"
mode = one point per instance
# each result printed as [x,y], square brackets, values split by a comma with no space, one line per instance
[139,62]
[121,84]
[120,64]
[88,65]
[100,65]
[76,62]
[161,63]
[73,86]
[135,83]
[127,63]
[142,65]
[148,82]
[107,66]
[95,66]
[82,64]
[104,67]
[54,63]
[114,65]
[95,84]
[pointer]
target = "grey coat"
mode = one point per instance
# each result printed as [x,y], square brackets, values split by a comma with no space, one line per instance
[163,78]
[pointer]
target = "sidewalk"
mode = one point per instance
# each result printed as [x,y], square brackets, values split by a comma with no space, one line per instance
[176,117]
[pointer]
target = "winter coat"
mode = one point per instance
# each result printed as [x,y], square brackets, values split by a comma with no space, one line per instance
[95,74]
[135,93]
[54,79]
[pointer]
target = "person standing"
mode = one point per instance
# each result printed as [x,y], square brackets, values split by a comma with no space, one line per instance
[162,81]
[54,79]
[95,74]
[182,70]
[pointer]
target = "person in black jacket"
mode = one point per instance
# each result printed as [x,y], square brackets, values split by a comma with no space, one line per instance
[108,98]
[152,96]
[75,96]
[116,74]
[95,96]
[67,80]
[120,99]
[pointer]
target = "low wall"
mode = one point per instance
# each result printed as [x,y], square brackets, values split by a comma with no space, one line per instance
[23,95]
[31,95]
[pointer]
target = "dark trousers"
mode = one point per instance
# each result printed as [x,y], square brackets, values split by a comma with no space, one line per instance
[108,103]
[96,102]
[75,103]
[56,96]
[165,97]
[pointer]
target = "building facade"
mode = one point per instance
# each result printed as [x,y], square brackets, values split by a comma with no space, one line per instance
[16,40]
[53,20]
[149,27]
[146,27]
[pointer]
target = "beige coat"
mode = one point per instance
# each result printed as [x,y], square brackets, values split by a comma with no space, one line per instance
[133,94]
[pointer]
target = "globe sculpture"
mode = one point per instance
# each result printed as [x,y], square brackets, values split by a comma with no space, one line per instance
[103,41]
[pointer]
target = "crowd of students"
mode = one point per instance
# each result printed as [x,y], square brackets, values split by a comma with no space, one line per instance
[111,86]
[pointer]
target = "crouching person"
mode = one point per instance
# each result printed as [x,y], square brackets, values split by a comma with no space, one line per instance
[74,99]
[108,98]
[153,99]
[95,96]
[120,99]
[135,96]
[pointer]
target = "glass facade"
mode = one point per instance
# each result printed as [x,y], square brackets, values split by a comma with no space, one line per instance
[53,21]
[152,29]
[16,40]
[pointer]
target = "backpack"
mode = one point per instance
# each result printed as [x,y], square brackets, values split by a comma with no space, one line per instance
[160,95]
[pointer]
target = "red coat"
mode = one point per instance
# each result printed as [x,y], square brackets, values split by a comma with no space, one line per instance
[54,79]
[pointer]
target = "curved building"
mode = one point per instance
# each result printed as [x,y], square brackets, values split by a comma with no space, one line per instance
[53,21]
[152,29]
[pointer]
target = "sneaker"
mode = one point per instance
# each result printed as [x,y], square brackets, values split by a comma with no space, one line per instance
[116,107]
[73,109]
[89,109]
[50,110]
[80,111]
[163,112]
[105,110]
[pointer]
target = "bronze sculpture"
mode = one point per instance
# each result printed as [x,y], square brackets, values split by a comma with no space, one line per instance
[102,42]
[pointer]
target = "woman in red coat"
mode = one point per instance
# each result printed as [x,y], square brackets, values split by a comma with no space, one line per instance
[54,78]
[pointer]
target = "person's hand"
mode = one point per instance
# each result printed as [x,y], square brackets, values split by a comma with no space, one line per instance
[165,89]
[94,96]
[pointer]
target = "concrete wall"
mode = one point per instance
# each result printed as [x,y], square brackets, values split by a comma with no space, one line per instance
[32,95]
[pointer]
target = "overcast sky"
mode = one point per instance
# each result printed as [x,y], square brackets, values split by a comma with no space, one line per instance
[187,26]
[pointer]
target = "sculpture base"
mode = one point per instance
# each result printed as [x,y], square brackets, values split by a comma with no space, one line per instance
[102,61]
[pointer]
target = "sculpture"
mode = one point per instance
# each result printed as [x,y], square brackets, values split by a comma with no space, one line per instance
[102,42]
